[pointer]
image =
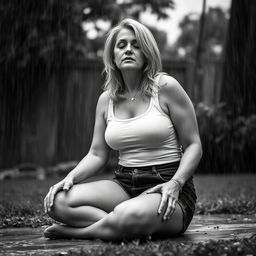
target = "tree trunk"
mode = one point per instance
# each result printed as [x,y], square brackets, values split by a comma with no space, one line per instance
[239,80]
[198,58]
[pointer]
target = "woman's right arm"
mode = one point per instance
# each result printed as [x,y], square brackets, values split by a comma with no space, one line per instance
[98,153]
[95,159]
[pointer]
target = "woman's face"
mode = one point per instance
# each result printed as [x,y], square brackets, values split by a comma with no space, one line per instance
[127,53]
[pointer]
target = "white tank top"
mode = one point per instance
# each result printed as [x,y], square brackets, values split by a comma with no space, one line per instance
[146,139]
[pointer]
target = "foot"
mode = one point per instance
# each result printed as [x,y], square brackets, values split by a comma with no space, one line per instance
[56,232]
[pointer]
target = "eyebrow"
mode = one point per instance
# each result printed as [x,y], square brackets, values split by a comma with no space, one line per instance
[125,40]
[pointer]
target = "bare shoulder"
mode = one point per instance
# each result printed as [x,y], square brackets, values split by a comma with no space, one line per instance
[103,102]
[103,99]
[170,87]
[172,93]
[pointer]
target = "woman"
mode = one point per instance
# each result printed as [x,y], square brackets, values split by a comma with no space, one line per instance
[148,117]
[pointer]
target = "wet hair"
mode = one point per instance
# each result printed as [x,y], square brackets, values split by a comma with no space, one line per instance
[114,83]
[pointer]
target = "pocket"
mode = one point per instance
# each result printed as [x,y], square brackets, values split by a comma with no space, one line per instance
[164,175]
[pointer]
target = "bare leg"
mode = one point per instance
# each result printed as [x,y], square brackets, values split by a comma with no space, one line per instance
[87,203]
[132,218]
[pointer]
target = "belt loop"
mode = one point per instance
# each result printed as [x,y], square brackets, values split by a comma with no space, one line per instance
[154,169]
[134,170]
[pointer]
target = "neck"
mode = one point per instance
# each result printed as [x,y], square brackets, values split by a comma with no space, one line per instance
[132,80]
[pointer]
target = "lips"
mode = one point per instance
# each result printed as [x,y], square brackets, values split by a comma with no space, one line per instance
[128,58]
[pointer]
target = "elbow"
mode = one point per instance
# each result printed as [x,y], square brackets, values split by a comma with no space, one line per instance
[102,157]
[196,147]
[199,148]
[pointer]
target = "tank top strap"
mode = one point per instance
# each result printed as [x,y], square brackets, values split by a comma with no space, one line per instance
[110,110]
[155,98]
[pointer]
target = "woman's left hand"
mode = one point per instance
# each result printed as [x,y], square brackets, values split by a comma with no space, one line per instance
[170,193]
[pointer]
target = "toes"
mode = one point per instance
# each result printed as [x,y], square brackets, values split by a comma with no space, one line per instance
[51,233]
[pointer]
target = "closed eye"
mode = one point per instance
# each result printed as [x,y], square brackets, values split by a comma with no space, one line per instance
[135,45]
[121,45]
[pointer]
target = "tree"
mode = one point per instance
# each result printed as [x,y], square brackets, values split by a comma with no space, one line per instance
[111,11]
[50,31]
[240,65]
[37,38]
[213,40]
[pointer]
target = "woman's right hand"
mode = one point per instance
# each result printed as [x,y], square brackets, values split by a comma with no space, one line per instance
[64,184]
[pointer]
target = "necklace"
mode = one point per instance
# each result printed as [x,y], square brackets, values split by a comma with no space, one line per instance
[134,97]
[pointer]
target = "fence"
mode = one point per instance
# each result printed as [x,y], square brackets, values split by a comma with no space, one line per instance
[63,117]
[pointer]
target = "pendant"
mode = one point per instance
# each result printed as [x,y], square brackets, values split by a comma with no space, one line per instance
[132,99]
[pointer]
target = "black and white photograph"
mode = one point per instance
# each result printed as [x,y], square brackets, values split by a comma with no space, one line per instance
[128,127]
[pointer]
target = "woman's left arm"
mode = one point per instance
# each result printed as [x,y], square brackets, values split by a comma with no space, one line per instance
[175,102]
[182,114]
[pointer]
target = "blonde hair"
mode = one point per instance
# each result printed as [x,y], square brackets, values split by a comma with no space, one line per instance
[114,83]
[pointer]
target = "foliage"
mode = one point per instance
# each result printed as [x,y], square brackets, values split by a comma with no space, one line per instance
[228,142]
[234,247]
[225,194]
[216,21]
[38,37]
[51,30]
[113,10]
[45,31]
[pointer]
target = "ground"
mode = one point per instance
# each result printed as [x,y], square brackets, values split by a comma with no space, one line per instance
[21,205]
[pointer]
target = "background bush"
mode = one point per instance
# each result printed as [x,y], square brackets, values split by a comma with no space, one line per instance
[228,142]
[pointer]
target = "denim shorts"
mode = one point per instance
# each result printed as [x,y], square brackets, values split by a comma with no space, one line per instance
[135,180]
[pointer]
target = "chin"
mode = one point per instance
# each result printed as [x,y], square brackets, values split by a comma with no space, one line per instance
[130,67]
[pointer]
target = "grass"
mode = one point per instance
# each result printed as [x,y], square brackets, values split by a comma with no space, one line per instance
[226,194]
[234,247]
[21,205]
[21,201]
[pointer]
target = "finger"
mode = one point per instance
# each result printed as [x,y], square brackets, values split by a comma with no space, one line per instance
[52,195]
[47,200]
[170,208]
[68,184]
[45,208]
[163,203]
[154,189]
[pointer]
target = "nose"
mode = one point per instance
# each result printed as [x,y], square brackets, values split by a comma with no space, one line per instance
[128,49]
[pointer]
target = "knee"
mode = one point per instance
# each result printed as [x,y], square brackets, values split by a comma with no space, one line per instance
[59,205]
[133,220]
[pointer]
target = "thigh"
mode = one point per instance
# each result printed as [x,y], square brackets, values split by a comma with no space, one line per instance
[146,206]
[103,194]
